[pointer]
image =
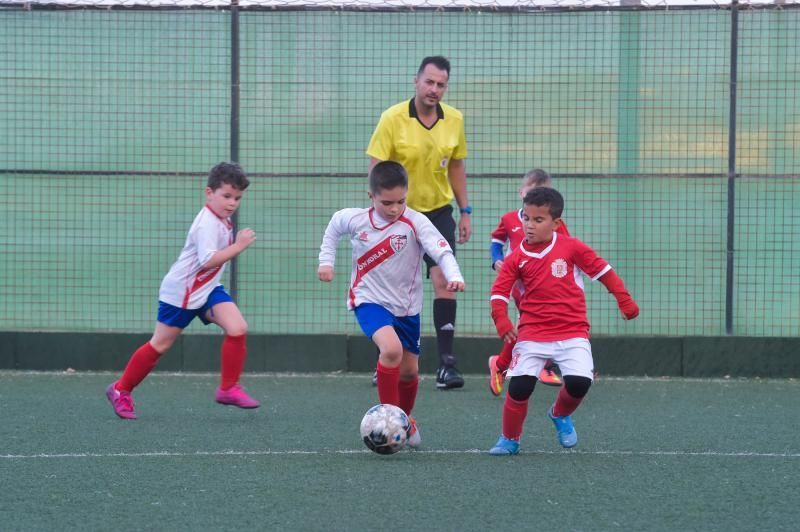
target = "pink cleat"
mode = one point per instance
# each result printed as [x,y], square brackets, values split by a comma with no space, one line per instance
[121,401]
[236,396]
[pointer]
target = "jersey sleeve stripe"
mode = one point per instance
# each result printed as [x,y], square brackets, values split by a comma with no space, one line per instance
[603,272]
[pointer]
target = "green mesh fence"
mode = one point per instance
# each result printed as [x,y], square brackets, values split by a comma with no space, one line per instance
[110,120]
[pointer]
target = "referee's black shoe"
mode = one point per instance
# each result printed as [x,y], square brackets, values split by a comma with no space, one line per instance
[448,378]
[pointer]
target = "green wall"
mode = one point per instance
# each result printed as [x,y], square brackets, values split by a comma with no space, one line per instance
[692,356]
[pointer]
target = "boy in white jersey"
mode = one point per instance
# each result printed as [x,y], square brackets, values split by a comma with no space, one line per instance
[553,322]
[389,240]
[191,289]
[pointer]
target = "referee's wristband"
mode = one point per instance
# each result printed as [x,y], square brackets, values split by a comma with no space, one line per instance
[466,210]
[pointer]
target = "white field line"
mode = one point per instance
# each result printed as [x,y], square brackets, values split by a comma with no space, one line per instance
[226,453]
[361,376]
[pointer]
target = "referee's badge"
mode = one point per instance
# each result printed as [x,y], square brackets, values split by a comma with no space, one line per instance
[443,164]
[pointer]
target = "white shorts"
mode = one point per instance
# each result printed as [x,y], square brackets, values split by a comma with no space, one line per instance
[573,356]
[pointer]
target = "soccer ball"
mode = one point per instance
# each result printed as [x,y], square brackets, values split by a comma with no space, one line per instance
[384,429]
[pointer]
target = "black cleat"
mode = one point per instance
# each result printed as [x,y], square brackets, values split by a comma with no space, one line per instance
[448,378]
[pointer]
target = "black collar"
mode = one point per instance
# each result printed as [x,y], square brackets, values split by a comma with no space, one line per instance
[412,112]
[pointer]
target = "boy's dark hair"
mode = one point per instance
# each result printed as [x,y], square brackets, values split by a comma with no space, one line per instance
[537,177]
[546,196]
[227,173]
[387,175]
[440,62]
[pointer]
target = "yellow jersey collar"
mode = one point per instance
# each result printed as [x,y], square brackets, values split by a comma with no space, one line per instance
[412,112]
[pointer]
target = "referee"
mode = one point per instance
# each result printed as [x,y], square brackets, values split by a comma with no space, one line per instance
[427,137]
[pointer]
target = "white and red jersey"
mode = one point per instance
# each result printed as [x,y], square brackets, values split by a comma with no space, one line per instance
[553,307]
[186,285]
[387,257]
[511,230]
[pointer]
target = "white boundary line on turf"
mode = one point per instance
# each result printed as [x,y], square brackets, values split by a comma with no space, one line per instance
[172,454]
[364,375]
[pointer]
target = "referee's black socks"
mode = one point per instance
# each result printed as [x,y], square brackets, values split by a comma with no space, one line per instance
[444,319]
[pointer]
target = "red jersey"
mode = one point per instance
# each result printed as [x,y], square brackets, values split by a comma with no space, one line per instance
[553,306]
[510,230]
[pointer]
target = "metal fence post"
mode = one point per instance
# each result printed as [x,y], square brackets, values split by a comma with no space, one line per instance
[234,127]
[731,167]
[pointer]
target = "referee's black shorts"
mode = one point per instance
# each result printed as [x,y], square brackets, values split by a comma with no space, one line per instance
[442,219]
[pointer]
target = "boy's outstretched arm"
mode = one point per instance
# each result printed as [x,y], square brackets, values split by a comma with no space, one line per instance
[616,287]
[325,272]
[505,329]
[499,301]
[499,239]
[496,250]
[455,286]
[327,250]
[244,238]
[455,281]
[440,251]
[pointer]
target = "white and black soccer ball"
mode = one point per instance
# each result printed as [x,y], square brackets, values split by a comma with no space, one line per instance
[384,429]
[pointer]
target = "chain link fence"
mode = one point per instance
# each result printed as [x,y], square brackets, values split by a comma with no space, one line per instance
[672,129]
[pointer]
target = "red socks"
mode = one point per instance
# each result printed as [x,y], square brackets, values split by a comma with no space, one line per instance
[388,385]
[234,352]
[565,404]
[514,413]
[504,358]
[139,366]
[393,391]
[408,394]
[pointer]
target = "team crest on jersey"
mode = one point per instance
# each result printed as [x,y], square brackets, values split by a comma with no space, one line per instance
[398,242]
[442,243]
[559,268]
[443,163]
[363,236]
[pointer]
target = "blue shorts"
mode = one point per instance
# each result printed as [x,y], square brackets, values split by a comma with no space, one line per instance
[182,317]
[372,317]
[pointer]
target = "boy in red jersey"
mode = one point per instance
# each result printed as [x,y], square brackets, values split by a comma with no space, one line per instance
[192,289]
[510,229]
[553,322]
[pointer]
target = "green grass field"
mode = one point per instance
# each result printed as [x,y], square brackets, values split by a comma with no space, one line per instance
[653,455]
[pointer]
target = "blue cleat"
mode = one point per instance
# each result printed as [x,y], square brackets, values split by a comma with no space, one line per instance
[566,432]
[504,447]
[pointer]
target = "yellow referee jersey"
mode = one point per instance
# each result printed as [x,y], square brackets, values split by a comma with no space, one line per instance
[425,153]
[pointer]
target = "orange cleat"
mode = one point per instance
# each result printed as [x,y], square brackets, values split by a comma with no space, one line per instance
[496,377]
[413,440]
[549,374]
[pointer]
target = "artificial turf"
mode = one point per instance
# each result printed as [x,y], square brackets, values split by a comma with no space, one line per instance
[653,454]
